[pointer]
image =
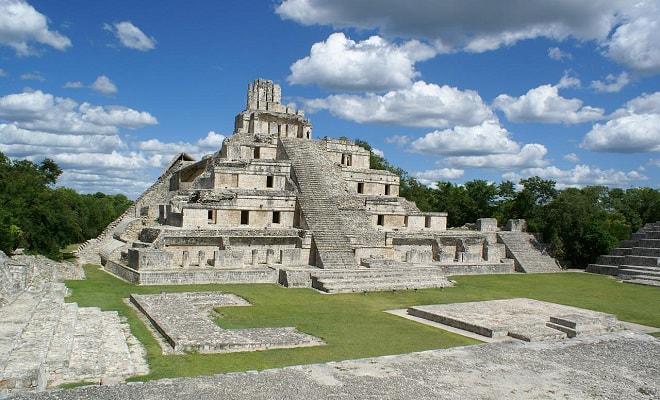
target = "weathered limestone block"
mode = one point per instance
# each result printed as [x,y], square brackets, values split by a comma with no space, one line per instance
[229,258]
[419,256]
[270,257]
[466,257]
[487,224]
[516,225]
[149,259]
[291,256]
[495,252]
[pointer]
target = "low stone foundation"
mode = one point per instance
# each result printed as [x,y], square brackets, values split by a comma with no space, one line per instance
[524,319]
[193,276]
[185,321]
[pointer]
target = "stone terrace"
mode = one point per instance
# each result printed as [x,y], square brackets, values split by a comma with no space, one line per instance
[524,319]
[613,366]
[185,322]
[636,260]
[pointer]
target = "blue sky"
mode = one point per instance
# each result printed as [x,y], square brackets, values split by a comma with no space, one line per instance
[447,90]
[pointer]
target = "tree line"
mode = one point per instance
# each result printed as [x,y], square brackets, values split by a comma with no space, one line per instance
[43,219]
[579,224]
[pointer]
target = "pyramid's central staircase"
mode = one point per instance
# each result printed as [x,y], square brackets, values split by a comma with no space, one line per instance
[322,199]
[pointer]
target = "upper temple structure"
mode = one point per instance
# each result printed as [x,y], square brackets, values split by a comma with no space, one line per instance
[275,205]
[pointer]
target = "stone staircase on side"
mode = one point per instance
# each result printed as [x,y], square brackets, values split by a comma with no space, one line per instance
[521,247]
[45,342]
[636,260]
[322,194]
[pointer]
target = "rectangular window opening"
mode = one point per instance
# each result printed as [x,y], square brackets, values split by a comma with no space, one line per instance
[381,220]
[257,153]
[387,190]
[211,216]
[269,181]
[405,221]
[276,217]
[360,188]
[427,222]
[245,217]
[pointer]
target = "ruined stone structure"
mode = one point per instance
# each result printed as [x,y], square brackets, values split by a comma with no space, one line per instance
[636,260]
[45,342]
[274,205]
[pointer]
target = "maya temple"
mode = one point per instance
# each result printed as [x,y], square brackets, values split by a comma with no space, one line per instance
[275,205]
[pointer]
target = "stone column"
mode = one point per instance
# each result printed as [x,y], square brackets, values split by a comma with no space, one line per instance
[202,259]
[218,258]
[255,257]
[185,263]
[270,255]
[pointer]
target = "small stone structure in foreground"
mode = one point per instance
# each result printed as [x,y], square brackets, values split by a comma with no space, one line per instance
[524,319]
[185,322]
[45,342]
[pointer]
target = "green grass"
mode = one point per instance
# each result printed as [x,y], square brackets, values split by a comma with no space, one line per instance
[354,325]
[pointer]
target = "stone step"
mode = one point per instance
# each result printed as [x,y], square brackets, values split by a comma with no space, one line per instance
[377,274]
[611,260]
[117,361]
[622,251]
[640,281]
[15,318]
[86,361]
[25,366]
[642,261]
[62,342]
[650,234]
[652,243]
[570,332]
[645,251]
[375,286]
[603,269]
[632,270]
[646,277]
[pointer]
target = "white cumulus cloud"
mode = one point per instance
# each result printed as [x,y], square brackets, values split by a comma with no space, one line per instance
[611,83]
[544,104]
[580,175]
[131,36]
[634,128]
[422,105]
[432,176]
[558,54]
[374,64]
[487,138]
[21,25]
[529,155]
[102,84]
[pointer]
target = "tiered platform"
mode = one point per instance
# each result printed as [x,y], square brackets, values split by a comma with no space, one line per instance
[636,260]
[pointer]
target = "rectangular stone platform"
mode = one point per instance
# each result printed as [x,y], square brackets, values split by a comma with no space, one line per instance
[184,321]
[524,319]
[192,276]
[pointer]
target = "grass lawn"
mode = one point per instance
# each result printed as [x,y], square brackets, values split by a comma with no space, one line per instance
[354,325]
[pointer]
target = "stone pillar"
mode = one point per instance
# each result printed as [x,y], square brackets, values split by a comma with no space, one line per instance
[270,255]
[516,225]
[255,257]
[218,259]
[202,258]
[185,263]
[487,224]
